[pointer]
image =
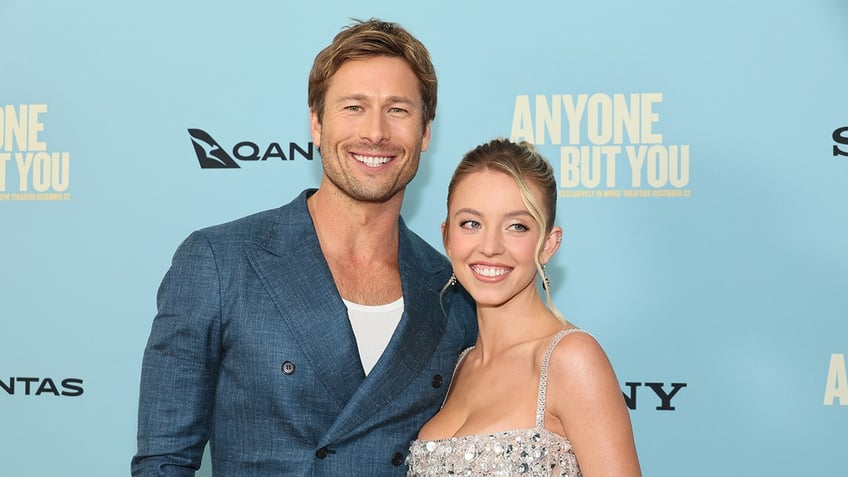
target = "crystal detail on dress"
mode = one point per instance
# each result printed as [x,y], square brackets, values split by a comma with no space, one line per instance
[522,452]
[501,454]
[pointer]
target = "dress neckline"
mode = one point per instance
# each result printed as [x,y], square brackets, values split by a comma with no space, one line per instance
[541,400]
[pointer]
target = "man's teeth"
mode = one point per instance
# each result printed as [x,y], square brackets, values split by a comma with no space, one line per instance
[490,271]
[372,161]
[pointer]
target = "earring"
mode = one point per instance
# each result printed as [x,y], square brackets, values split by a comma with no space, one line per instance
[452,280]
[546,283]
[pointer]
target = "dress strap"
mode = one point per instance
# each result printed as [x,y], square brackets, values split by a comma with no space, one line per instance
[458,362]
[543,378]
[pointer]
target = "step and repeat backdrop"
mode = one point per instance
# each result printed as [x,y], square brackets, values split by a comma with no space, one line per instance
[701,152]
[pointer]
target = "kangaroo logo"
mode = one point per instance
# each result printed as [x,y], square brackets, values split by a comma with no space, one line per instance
[209,152]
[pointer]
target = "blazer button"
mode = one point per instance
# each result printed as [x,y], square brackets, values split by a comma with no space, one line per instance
[288,367]
[397,459]
[437,381]
[321,453]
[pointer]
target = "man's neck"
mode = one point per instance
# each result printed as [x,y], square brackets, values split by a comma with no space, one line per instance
[358,231]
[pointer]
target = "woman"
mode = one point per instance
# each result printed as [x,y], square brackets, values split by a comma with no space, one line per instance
[535,395]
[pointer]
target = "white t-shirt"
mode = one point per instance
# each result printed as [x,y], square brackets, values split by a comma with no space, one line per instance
[373,327]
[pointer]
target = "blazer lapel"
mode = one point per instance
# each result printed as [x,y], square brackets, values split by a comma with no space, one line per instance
[297,278]
[416,338]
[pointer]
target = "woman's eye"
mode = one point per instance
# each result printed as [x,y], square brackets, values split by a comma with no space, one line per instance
[519,228]
[469,224]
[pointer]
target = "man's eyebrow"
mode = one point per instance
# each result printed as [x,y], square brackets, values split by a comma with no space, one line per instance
[363,97]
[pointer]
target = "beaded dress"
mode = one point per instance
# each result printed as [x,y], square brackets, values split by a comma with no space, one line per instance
[522,452]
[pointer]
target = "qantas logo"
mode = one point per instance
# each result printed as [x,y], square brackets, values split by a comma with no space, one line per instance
[33,386]
[209,152]
[211,155]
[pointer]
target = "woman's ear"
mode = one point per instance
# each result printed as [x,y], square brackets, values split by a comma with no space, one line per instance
[445,239]
[552,242]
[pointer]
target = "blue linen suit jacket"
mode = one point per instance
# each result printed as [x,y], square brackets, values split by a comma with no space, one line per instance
[251,350]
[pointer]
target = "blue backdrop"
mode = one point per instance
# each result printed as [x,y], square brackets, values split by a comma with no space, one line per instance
[702,158]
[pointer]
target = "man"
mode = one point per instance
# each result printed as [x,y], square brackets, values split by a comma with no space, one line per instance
[267,326]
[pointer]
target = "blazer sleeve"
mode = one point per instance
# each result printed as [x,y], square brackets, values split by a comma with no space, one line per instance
[180,365]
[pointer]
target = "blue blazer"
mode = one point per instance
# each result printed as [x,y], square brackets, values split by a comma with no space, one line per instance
[251,350]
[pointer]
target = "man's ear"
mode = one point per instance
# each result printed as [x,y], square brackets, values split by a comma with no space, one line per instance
[425,140]
[315,127]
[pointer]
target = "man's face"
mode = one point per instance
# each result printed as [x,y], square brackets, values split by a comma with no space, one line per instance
[373,131]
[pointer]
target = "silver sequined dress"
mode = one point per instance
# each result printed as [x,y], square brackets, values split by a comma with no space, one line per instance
[524,452]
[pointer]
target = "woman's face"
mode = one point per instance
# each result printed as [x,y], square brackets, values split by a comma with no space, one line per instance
[491,238]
